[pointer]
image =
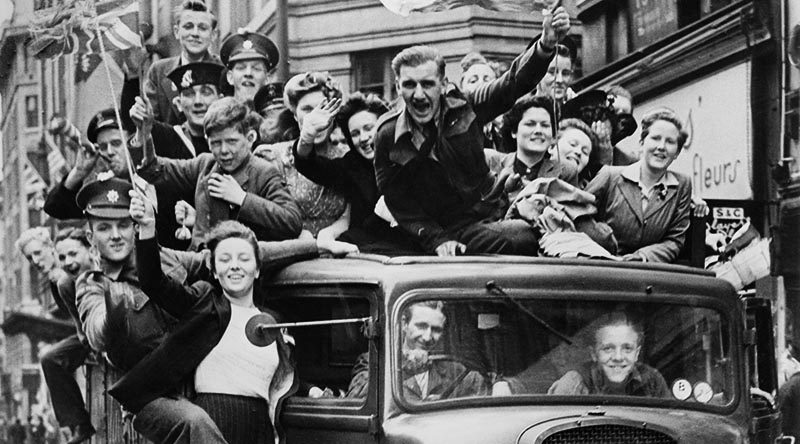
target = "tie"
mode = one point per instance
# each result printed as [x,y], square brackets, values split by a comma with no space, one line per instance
[429,130]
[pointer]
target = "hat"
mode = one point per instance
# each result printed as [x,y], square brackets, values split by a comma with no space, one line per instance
[269,94]
[301,84]
[103,120]
[199,73]
[591,106]
[245,45]
[105,198]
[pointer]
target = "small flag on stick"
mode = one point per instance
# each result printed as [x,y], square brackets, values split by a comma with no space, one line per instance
[74,25]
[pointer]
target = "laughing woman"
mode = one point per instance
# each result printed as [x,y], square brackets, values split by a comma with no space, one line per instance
[238,384]
[645,204]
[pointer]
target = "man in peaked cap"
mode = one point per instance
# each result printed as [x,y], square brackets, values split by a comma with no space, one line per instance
[249,58]
[279,124]
[119,319]
[107,152]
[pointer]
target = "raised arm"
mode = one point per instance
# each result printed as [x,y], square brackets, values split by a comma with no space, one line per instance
[169,294]
[496,97]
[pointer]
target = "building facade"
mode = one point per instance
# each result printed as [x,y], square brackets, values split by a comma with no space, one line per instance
[723,66]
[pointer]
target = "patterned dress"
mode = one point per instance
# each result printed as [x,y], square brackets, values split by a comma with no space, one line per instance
[320,206]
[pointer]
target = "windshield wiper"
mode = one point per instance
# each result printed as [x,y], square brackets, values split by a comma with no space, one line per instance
[492,287]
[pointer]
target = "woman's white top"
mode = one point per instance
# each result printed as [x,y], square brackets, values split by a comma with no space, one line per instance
[235,366]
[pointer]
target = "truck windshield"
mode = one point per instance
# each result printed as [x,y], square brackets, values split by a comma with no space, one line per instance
[563,347]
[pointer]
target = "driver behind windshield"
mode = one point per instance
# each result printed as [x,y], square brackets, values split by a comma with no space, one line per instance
[425,378]
[614,368]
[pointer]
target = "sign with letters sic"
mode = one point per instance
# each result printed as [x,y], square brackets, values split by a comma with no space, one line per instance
[716,113]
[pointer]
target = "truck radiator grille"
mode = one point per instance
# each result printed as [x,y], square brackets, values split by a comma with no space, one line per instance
[608,434]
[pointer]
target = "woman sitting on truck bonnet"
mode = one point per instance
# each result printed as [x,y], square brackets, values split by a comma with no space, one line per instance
[645,204]
[239,384]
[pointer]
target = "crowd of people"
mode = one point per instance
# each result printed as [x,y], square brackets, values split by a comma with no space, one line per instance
[215,175]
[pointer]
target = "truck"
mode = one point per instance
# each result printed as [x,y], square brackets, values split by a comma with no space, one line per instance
[529,320]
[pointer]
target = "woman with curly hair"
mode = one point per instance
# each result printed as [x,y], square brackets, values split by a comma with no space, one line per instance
[353,175]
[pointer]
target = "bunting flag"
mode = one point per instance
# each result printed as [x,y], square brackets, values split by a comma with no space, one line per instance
[85,64]
[56,163]
[406,7]
[73,27]
[32,180]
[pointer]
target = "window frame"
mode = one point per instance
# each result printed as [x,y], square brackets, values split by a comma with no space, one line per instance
[336,413]
[728,314]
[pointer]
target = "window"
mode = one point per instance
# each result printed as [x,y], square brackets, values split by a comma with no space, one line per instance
[31,111]
[372,72]
[328,356]
[560,346]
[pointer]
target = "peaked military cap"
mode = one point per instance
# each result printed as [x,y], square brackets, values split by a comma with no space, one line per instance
[105,198]
[199,73]
[246,45]
[269,94]
[102,120]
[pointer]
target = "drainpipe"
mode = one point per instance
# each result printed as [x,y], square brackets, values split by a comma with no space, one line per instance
[282,34]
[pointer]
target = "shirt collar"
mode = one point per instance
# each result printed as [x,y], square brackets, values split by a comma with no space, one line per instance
[633,171]
[528,171]
[448,101]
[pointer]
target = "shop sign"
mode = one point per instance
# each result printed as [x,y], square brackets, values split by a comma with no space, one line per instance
[716,112]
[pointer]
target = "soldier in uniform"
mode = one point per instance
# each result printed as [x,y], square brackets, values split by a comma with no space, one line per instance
[196,84]
[107,153]
[249,58]
[118,318]
[429,159]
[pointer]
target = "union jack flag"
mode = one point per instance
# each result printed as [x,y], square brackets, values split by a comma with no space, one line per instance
[74,27]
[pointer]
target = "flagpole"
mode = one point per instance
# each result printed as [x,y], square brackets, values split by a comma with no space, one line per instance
[128,159]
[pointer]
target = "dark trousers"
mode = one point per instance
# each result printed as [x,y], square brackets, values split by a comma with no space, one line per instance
[501,237]
[176,420]
[59,365]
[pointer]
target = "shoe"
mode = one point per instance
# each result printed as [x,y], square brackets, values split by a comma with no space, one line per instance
[81,433]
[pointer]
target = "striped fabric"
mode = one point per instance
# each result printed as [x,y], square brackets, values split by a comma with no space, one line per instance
[405,7]
[241,419]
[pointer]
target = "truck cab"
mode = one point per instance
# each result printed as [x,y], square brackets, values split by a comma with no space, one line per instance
[510,329]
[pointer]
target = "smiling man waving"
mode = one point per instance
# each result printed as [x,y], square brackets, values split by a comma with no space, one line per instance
[429,158]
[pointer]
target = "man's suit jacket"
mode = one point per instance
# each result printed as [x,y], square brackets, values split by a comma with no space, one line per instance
[269,209]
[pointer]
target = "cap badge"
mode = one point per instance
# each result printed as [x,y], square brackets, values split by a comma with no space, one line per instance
[186,80]
[112,196]
[247,44]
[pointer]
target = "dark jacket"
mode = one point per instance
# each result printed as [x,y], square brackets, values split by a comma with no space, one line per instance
[269,209]
[351,175]
[503,166]
[448,189]
[169,144]
[204,313]
[658,233]
[588,379]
